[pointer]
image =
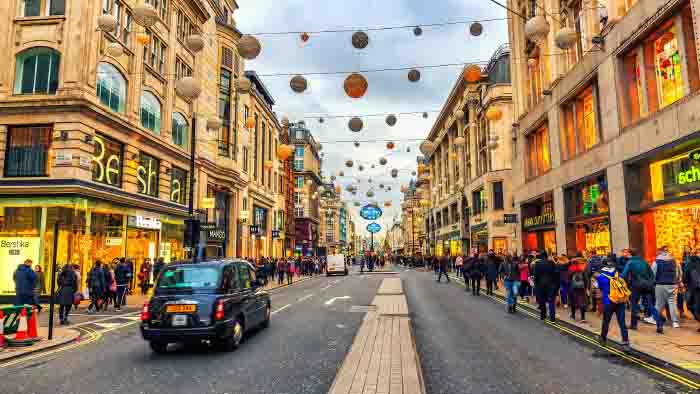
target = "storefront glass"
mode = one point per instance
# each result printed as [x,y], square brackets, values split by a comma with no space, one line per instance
[19,240]
[587,207]
[538,224]
[172,242]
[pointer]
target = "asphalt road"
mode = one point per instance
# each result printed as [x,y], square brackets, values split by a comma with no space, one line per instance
[470,344]
[300,352]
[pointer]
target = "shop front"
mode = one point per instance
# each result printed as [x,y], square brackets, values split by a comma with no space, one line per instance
[480,237]
[215,237]
[88,230]
[538,225]
[663,196]
[261,242]
[588,222]
[217,223]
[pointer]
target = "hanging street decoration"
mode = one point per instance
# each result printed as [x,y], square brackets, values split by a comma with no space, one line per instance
[349,163]
[417,31]
[304,37]
[360,168]
[249,47]
[382,161]
[355,124]
[298,84]
[360,40]
[145,15]
[321,120]
[370,212]
[355,85]
[472,73]
[391,119]
[425,115]
[476,29]
[390,145]
[537,29]
[374,227]
[414,75]
[357,144]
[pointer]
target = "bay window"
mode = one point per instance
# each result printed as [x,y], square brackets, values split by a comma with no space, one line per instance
[579,130]
[537,153]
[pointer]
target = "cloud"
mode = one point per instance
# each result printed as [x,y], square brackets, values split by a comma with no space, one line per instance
[389,92]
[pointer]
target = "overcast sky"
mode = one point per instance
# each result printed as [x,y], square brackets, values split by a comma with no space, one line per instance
[389,92]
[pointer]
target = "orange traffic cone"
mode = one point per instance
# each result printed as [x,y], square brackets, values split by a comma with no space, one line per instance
[32,330]
[21,334]
[2,330]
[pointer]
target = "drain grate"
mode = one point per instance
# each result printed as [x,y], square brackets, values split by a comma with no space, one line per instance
[363,308]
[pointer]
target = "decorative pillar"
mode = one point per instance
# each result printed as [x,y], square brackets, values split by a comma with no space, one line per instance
[619,228]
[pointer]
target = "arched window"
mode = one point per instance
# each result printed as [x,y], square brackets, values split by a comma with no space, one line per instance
[150,112]
[179,130]
[111,87]
[37,71]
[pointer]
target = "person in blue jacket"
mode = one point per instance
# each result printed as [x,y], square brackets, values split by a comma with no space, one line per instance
[609,308]
[25,282]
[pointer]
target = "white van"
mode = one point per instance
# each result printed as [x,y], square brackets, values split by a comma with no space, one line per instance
[336,265]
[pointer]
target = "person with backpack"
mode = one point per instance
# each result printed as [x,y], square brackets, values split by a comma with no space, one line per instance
[443,263]
[691,279]
[614,294]
[641,280]
[667,275]
[578,283]
[546,285]
[595,263]
[122,277]
[512,282]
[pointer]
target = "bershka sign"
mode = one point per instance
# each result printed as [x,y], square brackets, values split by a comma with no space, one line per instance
[144,222]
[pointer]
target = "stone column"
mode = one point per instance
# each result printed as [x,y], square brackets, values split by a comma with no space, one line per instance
[619,228]
[560,218]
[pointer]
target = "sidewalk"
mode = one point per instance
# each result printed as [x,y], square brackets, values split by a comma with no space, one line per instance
[677,346]
[61,336]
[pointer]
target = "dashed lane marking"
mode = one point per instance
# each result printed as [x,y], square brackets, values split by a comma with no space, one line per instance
[280,309]
[304,298]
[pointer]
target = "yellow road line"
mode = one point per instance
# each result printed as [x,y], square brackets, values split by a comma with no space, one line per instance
[663,372]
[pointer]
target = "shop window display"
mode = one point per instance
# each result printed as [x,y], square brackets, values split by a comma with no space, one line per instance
[19,240]
[678,229]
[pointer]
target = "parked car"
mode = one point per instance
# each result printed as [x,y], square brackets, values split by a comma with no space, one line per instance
[215,301]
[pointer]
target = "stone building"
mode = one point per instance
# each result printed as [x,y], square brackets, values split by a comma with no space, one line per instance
[606,102]
[333,227]
[307,183]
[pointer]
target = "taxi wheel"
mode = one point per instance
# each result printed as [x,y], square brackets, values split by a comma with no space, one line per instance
[234,341]
[159,347]
[268,315]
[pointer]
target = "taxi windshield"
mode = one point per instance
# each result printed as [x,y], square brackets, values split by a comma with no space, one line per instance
[189,278]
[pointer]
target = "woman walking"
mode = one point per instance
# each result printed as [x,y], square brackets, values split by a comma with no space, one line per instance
[67,289]
[39,287]
[96,284]
[578,284]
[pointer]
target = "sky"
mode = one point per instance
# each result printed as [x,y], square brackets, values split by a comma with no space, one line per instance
[388,92]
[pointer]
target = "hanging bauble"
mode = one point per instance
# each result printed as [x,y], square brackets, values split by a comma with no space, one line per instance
[107,23]
[285,121]
[243,85]
[304,37]
[369,180]
[143,38]
[145,15]
[333,178]
[537,29]
[360,167]
[382,161]
[494,114]
[472,73]
[284,151]
[408,150]
[390,145]
[320,147]
[321,120]
[214,124]
[426,147]
[459,114]
[388,188]
[250,123]
[357,203]
[413,173]
[381,186]
[349,164]
[425,115]
[414,75]
[387,203]
[565,38]
[355,124]
[357,144]
[341,173]
[391,120]
[403,189]
[114,49]
[195,42]
[337,189]
[355,85]
[360,40]
[417,31]
[298,84]
[370,194]
[188,87]
[372,165]
[249,47]
[394,172]
[476,29]
[459,141]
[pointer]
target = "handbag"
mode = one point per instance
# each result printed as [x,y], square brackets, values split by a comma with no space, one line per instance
[77,298]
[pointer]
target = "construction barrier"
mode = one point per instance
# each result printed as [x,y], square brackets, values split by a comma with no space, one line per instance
[22,337]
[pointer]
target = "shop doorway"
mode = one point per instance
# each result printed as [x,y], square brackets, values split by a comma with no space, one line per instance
[142,248]
[500,245]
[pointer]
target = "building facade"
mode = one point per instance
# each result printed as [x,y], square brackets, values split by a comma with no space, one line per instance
[412,214]
[607,132]
[91,123]
[333,228]
[307,183]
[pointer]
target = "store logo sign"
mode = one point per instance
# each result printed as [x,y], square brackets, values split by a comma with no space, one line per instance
[145,222]
[690,176]
[545,218]
[107,159]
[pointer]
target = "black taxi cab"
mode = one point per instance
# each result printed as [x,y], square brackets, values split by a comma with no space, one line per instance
[217,301]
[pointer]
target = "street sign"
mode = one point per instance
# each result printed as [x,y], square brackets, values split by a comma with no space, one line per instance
[374,227]
[510,218]
[371,212]
[254,229]
[275,233]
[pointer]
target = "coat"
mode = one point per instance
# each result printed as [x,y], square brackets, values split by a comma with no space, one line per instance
[67,287]
[477,268]
[25,280]
[546,275]
[493,265]
[96,281]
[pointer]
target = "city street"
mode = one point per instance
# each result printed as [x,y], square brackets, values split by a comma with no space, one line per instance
[465,345]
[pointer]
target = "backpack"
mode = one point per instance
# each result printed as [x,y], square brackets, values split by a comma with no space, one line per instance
[577,281]
[619,292]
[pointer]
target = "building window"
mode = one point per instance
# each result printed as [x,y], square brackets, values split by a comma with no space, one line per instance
[147,175]
[300,182]
[184,26]
[107,161]
[161,6]
[579,127]
[478,204]
[37,71]
[227,57]
[299,158]
[182,69]
[662,70]
[28,151]
[124,19]
[262,152]
[482,160]
[537,159]
[179,130]
[178,185]
[111,87]
[35,7]
[225,112]
[497,196]
[154,54]
[245,159]
[255,150]
[150,112]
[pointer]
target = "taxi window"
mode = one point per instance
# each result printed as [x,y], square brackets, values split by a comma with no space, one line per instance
[244,279]
[189,277]
[228,278]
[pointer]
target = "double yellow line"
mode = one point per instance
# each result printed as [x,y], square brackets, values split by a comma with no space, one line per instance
[666,373]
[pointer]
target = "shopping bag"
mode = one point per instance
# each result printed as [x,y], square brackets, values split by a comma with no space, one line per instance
[86,294]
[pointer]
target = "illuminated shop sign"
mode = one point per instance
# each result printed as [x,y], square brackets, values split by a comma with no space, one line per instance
[107,159]
[374,227]
[676,177]
[545,218]
[178,185]
[371,212]
[147,174]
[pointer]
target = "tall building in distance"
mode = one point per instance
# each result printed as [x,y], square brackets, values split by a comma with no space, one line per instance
[307,184]
[333,232]
[412,220]
[606,133]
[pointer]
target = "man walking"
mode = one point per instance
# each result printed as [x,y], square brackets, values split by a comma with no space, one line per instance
[512,282]
[493,266]
[667,277]
[442,266]
[466,267]
[25,282]
[608,274]
[476,272]
[546,285]
[641,279]
[122,276]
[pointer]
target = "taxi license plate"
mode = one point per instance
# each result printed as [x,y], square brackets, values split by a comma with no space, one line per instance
[179,320]
[183,308]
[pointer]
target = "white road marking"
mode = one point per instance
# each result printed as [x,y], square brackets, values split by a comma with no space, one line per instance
[324,288]
[281,309]
[304,298]
[332,300]
[109,325]
[340,325]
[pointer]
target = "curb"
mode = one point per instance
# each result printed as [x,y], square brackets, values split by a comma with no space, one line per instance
[686,373]
[59,343]
[292,284]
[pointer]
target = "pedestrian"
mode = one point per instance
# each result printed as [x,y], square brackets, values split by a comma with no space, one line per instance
[524,268]
[157,268]
[145,276]
[280,272]
[607,279]
[691,279]
[362,265]
[289,269]
[641,282]
[96,284]
[476,273]
[577,288]
[39,287]
[110,287]
[564,279]
[67,290]
[546,285]
[493,266]
[511,281]
[76,271]
[122,277]
[595,263]
[442,267]
[25,283]
[667,276]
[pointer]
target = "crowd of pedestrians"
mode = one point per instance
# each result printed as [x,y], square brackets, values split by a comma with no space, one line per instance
[607,285]
[284,269]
